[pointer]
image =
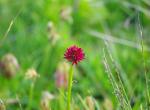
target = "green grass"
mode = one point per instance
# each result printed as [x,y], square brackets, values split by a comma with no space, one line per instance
[108,31]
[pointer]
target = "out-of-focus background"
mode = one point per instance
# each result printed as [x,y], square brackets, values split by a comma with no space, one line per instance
[35,34]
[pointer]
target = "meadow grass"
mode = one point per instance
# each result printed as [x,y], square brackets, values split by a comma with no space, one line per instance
[115,72]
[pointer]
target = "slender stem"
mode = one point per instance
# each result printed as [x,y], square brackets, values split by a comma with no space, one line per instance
[61,99]
[30,95]
[69,87]
[144,63]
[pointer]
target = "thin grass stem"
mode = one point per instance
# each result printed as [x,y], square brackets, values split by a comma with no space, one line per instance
[69,87]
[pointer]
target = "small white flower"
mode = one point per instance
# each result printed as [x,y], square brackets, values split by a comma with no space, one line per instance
[31,74]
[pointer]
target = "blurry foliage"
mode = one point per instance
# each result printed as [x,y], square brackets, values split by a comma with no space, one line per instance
[28,41]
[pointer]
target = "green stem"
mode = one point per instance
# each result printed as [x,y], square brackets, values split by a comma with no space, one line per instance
[61,99]
[30,95]
[69,87]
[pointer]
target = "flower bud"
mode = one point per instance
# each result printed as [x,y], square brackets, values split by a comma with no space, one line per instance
[90,103]
[31,74]
[2,106]
[53,36]
[61,79]
[65,14]
[9,65]
[45,100]
[50,26]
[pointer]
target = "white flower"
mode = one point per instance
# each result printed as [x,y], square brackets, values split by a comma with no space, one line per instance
[31,74]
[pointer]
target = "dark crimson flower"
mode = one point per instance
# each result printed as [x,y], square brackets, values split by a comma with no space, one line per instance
[74,54]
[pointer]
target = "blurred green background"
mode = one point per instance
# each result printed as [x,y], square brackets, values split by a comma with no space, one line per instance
[41,30]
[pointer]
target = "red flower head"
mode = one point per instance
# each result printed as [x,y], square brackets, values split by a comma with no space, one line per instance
[74,54]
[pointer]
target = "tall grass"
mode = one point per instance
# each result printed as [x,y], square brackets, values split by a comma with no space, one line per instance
[141,43]
[115,79]
[119,89]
